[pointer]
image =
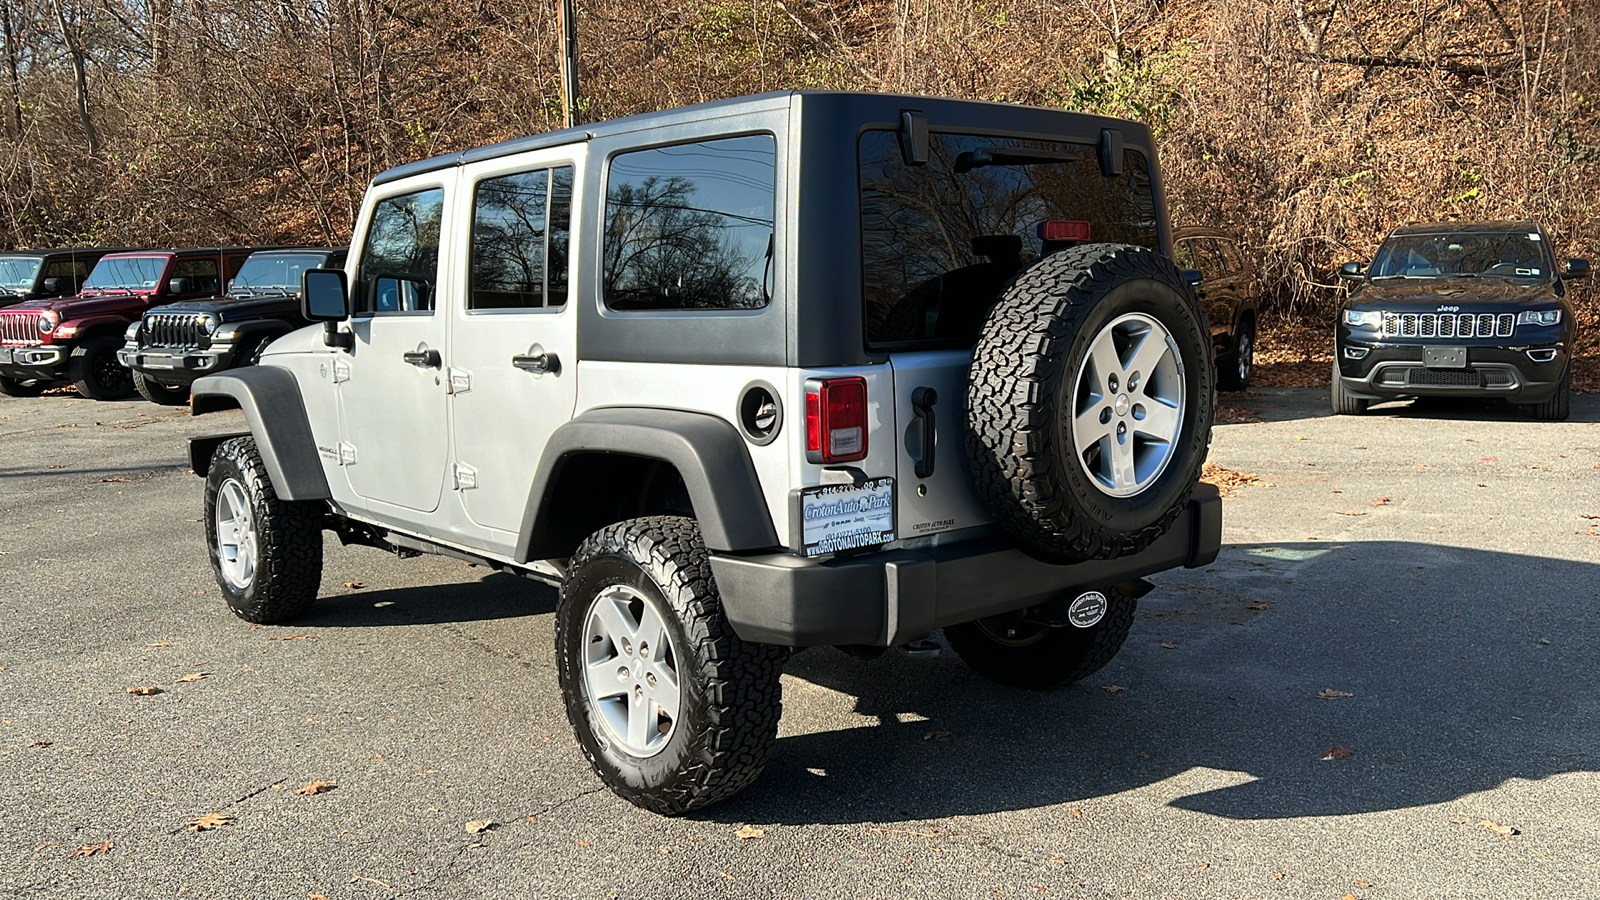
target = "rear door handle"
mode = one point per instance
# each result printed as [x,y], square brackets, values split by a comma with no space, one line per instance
[538,361]
[922,401]
[423,358]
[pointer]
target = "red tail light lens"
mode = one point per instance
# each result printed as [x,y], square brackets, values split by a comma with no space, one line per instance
[1064,230]
[836,420]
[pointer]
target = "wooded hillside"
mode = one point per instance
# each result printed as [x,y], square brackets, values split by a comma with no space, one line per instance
[1311,125]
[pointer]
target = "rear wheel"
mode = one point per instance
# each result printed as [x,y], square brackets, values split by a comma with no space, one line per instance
[156,392]
[1559,406]
[1024,654]
[95,372]
[1343,404]
[17,387]
[672,709]
[266,552]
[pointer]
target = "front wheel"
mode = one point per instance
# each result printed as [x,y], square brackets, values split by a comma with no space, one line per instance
[156,392]
[672,709]
[16,387]
[1037,657]
[95,372]
[266,552]
[1240,363]
[1559,406]
[1342,403]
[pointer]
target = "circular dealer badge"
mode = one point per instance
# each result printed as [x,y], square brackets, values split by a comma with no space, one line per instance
[1087,610]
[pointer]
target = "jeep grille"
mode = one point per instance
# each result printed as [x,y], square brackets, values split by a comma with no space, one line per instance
[172,330]
[20,328]
[1449,325]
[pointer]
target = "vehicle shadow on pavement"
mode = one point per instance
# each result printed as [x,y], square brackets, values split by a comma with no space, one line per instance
[1443,671]
[1275,404]
[498,595]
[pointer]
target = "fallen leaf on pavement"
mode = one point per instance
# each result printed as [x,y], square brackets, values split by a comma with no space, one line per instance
[1497,828]
[1338,753]
[1202,865]
[1362,513]
[1114,688]
[748,832]
[1362,883]
[313,895]
[316,787]
[937,736]
[352,585]
[289,637]
[193,676]
[43,742]
[1077,813]
[479,826]
[210,821]
[1331,694]
[1259,605]
[162,644]
[1168,645]
[144,690]
[1381,501]
[90,850]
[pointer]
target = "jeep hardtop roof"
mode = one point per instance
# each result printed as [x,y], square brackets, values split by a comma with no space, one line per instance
[63,251]
[978,115]
[189,251]
[1479,227]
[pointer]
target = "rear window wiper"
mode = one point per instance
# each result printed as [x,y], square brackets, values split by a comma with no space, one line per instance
[1010,156]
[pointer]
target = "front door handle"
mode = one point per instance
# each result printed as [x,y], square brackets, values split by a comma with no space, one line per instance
[922,401]
[423,358]
[538,361]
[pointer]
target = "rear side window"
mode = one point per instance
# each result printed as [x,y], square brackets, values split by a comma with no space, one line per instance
[76,269]
[400,257]
[521,229]
[939,241]
[690,226]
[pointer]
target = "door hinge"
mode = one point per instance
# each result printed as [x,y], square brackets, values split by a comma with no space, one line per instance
[460,381]
[341,371]
[347,453]
[466,477]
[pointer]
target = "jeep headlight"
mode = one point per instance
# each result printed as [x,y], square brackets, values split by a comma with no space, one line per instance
[1359,318]
[208,323]
[47,323]
[1539,317]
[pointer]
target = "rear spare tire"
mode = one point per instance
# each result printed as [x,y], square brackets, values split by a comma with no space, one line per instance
[1090,402]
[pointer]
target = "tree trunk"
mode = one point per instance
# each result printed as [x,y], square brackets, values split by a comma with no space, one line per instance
[80,76]
[12,81]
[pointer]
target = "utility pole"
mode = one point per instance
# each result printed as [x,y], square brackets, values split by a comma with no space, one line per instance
[567,22]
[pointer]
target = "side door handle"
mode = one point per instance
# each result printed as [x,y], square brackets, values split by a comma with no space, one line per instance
[423,358]
[922,401]
[538,361]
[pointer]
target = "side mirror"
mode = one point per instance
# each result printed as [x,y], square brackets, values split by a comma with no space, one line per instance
[178,286]
[1575,268]
[1352,271]
[325,297]
[51,287]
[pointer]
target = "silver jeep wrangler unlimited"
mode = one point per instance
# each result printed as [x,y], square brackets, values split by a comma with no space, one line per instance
[782,371]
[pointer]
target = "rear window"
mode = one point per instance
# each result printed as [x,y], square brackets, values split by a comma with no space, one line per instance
[939,241]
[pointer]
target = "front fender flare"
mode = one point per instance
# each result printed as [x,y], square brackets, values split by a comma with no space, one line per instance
[270,399]
[707,452]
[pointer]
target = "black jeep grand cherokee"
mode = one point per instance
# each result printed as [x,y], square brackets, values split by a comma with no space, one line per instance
[1458,308]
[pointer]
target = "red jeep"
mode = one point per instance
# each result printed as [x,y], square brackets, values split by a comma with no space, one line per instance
[77,338]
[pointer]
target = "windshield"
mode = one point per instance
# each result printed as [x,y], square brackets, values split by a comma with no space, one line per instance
[18,272]
[128,273]
[940,241]
[277,272]
[1492,254]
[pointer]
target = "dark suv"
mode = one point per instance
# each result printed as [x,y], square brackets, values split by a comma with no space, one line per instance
[42,274]
[77,338]
[1458,308]
[175,344]
[1228,287]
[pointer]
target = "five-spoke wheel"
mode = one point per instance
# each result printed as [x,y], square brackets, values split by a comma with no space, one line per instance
[1129,404]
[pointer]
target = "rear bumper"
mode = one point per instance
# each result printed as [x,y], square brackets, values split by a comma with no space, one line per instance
[889,598]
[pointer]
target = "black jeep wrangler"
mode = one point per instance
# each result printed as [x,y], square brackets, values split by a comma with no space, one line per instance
[1456,308]
[175,344]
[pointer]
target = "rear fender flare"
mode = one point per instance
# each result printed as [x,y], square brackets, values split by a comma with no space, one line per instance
[270,399]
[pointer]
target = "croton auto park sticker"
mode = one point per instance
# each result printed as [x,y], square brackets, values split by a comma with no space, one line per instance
[839,517]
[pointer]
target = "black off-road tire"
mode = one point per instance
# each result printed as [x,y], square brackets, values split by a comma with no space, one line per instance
[1342,403]
[1236,367]
[1022,393]
[1559,405]
[156,392]
[1042,657]
[16,387]
[730,694]
[288,539]
[93,369]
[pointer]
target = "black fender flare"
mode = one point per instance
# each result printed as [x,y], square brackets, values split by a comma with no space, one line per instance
[707,451]
[270,399]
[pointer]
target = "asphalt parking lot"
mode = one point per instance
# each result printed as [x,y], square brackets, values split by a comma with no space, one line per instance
[1412,592]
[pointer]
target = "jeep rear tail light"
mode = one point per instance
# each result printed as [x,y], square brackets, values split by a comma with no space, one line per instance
[1064,230]
[836,420]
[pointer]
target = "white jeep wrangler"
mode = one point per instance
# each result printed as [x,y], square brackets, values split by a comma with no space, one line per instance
[782,371]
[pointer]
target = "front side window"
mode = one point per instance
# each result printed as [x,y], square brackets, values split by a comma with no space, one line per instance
[1508,254]
[521,229]
[939,241]
[690,226]
[128,273]
[400,258]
